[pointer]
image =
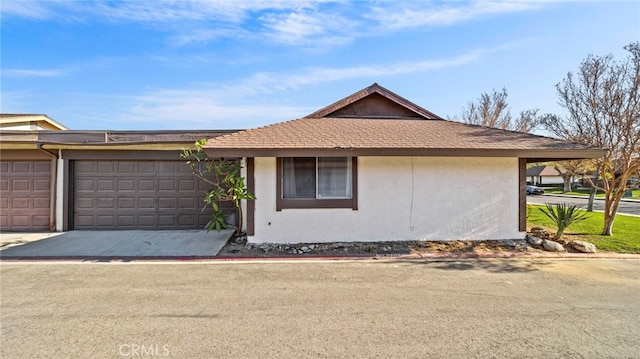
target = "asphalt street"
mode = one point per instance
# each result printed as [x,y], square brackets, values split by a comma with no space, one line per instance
[533,308]
[598,204]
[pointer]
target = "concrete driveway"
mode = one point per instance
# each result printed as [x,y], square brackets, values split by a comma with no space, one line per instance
[113,244]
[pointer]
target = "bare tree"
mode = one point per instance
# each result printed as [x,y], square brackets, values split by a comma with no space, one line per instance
[603,104]
[492,110]
[570,169]
[528,121]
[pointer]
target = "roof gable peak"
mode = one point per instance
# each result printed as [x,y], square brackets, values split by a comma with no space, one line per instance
[374,101]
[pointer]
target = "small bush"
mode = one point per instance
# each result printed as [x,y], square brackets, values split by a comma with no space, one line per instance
[563,215]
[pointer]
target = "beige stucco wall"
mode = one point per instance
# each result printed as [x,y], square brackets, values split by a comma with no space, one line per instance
[401,198]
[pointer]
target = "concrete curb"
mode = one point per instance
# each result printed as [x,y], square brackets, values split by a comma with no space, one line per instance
[585,197]
[293,258]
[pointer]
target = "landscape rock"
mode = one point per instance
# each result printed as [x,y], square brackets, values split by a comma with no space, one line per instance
[552,246]
[533,240]
[240,240]
[583,246]
[540,232]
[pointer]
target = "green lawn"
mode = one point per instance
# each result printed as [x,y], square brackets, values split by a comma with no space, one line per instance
[635,193]
[626,230]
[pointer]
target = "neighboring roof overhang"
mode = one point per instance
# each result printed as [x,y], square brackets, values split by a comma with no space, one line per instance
[43,121]
[105,140]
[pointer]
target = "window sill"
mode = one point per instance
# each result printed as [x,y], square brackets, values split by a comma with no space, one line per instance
[316,203]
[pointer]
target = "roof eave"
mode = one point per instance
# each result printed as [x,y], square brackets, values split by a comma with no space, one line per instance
[532,155]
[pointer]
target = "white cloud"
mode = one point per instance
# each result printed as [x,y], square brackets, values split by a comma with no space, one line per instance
[316,25]
[210,107]
[419,14]
[32,73]
[205,35]
[251,102]
[311,76]
[28,9]
[301,28]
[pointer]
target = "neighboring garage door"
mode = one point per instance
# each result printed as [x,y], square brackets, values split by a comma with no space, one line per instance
[25,195]
[137,195]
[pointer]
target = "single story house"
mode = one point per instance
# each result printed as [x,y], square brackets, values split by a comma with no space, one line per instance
[544,175]
[370,167]
[377,167]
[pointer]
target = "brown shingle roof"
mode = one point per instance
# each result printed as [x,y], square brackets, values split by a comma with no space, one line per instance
[542,171]
[372,133]
[388,137]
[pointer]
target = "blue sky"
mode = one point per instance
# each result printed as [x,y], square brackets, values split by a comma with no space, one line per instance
[137,65]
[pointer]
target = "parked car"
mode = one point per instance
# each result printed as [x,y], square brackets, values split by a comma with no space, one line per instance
[534,190]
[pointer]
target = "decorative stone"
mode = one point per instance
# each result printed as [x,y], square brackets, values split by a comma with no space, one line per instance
[533,240]
[540,232]
[552,246]
[583,246]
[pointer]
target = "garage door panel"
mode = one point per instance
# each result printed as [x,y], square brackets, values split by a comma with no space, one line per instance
[84,168]
[126,168]
[126,221]
[20,203]
[146,203]
[146,168]
[138,195]
[125,185]
[41,203]
[20,221]
[84,185]
[147,221]
[106,185]
[126,203]
[106,167]
[186,185]
[41,184]
[147,185]
[21,184]
[167,203]
[22,167]
[106,203]
[82,221]
[40,221]
[84,203]
[105,220]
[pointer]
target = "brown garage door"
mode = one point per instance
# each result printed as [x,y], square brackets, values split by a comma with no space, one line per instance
[137,195]
[25,195]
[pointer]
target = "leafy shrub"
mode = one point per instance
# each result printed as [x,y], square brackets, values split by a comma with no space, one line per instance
[563,215]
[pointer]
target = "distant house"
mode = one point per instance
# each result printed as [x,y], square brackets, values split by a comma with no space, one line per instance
[24,122]
[377,167]
[544,175]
